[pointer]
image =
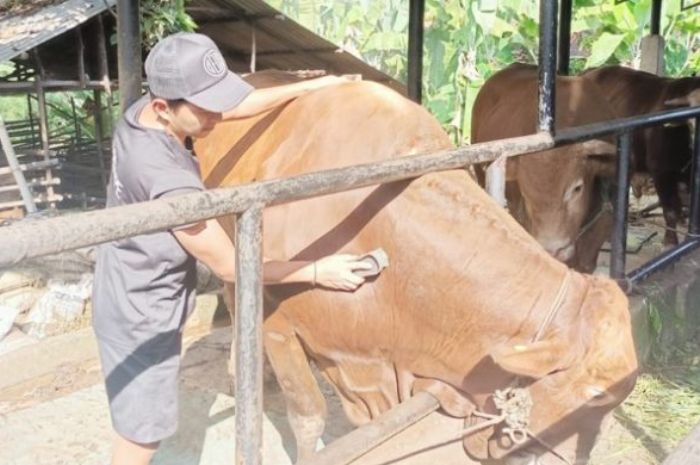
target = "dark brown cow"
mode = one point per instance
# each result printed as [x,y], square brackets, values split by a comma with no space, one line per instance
[557,195]
[664,152]
[457,310]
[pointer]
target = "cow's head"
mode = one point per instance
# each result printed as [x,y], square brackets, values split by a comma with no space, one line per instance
[691,99]
[575,375]
[559,192]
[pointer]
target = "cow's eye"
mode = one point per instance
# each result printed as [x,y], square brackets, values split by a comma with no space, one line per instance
[575,189]
[597,396]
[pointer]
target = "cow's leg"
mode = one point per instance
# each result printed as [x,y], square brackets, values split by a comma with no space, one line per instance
[306,406]
[667,190]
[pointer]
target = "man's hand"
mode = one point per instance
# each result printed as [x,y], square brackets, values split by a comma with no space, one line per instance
[337,272]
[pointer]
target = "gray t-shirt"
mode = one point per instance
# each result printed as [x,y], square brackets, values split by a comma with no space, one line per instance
[144,285]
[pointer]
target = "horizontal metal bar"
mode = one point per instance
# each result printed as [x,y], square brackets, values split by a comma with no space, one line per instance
[367,437]
[52,235]
[618,126]
[661,261]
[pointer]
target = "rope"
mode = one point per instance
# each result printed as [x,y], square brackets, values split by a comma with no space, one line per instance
[556,305]
[515,403]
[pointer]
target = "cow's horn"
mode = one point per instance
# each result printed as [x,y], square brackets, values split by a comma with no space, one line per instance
[597,147]
[691,99]
[678,102]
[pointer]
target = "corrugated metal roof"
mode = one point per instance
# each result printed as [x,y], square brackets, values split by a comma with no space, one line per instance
[280,42]
[19,33]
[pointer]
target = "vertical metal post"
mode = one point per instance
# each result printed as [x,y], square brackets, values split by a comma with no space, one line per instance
[24,191]
[694,219]
[129,50]
[618,241]
[565,36]
[656,17]
[248,337]
[547,65]
[415,50]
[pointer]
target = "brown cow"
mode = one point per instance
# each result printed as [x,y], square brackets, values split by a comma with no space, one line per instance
[664,152]
[457,310]
[557,194]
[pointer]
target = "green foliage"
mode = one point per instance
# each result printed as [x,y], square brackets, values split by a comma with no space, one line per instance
[160,18]
[467,41]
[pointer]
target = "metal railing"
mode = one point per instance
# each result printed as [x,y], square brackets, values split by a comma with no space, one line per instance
[622,128]
[53,235]
[43,237]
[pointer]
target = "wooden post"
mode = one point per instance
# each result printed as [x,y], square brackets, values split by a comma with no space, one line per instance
[76,126]
[31,118]
[99,135]
[43,120]
[81,57]
[103,64]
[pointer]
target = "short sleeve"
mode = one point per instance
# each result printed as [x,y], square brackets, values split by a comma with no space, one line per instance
[174,180]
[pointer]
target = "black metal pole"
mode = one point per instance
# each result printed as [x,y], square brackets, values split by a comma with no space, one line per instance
[547,65]
[694,218]
[248,337]
[129,52]
[662,261]
[656,17]
[618,241]
[415,50]
[565,36]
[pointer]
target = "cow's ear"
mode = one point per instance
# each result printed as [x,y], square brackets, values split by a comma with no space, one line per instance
[678,102]
[603,166]
[600,156]
[535,359]
[691,99]
[597,148]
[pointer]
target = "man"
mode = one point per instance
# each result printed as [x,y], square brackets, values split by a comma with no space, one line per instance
[144,285]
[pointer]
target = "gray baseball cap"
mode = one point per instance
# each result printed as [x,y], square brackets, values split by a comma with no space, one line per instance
[190,66]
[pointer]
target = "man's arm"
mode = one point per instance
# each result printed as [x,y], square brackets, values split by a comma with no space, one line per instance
[262,100]
[208,242]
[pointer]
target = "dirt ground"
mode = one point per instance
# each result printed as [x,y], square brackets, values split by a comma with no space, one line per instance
[60,416]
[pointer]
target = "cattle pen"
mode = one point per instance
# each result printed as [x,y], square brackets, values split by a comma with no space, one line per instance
[31,239]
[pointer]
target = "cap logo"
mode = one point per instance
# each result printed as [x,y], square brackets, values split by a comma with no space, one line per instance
[214,63]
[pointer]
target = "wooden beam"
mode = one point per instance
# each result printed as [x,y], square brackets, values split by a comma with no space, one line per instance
[82,77]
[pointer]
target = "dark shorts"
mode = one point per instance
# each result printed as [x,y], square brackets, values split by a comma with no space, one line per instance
[142,388]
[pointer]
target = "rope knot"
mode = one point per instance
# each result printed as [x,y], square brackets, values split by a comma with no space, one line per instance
[514,405]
